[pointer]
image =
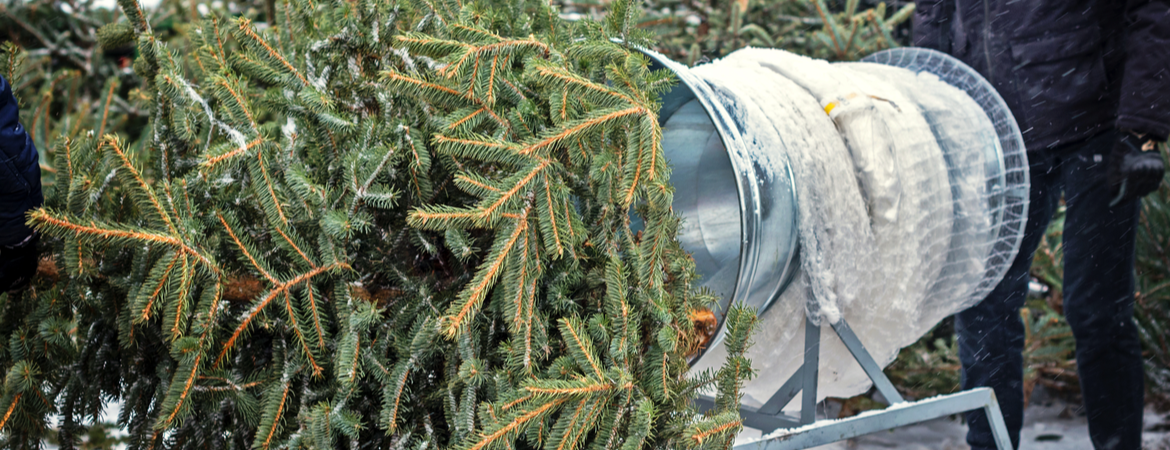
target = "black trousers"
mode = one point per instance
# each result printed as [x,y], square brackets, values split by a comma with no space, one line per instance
[1098,302]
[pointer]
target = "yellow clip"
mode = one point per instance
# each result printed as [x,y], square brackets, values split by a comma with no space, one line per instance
[840,99]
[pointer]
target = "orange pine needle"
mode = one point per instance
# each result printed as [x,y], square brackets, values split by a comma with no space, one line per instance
[10,409]
[106,109]
[571,391]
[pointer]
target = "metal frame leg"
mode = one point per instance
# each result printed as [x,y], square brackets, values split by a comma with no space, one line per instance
[901,413]
[768,417]
[812,359]
[894,417]
[1003,441]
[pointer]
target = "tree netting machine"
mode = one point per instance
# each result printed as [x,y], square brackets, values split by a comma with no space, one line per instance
[875,197]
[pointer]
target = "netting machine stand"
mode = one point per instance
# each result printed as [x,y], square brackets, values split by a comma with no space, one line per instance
[806,431]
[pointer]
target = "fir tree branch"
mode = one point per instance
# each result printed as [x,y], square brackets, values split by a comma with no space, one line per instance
[516,424]
[297,249]
[584,125]
[116,145]
[391,413]
[243,249]
[316,317]
[212,161]
[245,26]
[699,434]
[43,217]
[464,119]
[161,284]
[551,213]
[183,395]
[239,100]
[276,291]
[425,86]
[231,385]
[564,76]
[472,297]
[463,178]
[276,418]
[180,298]
[275,200]
[580,347]
[292,317]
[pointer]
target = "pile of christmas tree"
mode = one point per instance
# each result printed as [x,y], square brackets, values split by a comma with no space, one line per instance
[369,224]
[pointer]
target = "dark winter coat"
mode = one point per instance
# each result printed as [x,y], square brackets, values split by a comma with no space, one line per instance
[20,173]
[1068,69]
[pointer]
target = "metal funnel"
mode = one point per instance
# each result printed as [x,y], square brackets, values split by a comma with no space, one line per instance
[737,200]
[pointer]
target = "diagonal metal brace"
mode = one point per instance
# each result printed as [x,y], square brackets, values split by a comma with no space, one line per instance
[871,367]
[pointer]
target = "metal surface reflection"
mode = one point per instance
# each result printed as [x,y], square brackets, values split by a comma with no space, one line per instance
[736,199]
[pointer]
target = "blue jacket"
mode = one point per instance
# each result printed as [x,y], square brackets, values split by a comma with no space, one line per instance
[1068,69]
[20,172]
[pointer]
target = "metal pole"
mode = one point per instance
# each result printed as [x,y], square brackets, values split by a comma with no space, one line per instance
[812,359]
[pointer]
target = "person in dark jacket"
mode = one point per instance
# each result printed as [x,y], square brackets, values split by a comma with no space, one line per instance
[1089,83]
[20,192]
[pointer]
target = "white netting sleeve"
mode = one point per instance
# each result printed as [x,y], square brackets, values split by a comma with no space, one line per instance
[899,179]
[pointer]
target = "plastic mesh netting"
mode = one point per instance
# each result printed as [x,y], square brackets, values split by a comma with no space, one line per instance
[911,187]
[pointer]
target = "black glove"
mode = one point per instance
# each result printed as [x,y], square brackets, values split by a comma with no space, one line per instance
[18,264]
[1134,172]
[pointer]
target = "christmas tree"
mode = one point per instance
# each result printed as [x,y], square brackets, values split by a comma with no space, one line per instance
[372,224]
[690,31]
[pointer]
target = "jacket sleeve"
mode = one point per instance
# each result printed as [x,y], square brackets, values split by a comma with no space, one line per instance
[1145,85]
[932,25]
[20,172]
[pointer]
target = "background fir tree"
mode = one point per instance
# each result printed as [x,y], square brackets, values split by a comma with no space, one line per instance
[1152,306]
[837,30]
[330,233]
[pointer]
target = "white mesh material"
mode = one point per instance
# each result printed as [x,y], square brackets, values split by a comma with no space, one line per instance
[911,196]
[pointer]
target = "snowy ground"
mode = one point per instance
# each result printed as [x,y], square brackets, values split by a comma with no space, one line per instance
[1048,425]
